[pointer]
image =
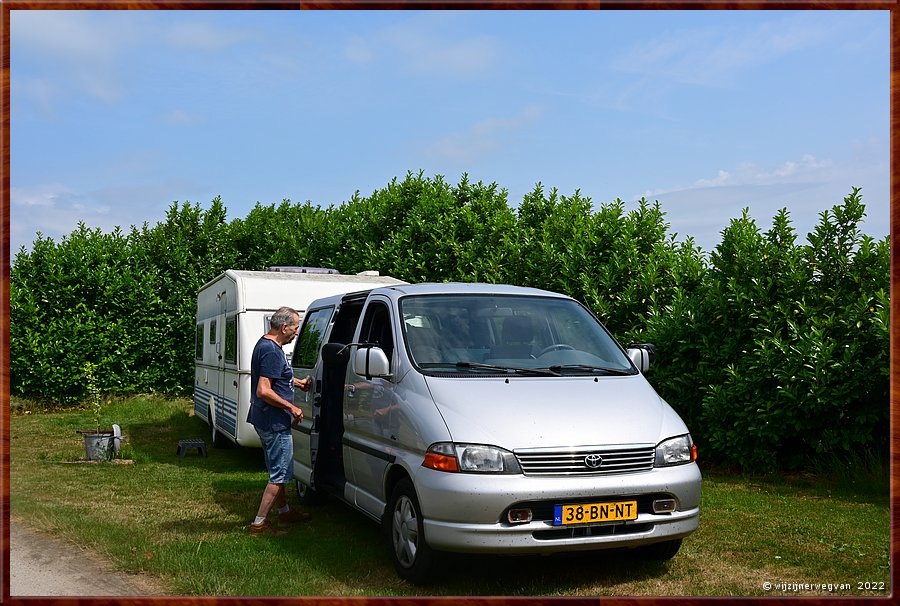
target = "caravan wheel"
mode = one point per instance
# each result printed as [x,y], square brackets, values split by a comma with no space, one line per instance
[218,440]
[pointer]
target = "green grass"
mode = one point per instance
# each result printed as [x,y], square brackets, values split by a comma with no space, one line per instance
[185,523]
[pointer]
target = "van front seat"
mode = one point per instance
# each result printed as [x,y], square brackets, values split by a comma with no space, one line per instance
[517,335]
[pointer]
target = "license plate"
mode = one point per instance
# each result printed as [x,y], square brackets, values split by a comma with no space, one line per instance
[588,513]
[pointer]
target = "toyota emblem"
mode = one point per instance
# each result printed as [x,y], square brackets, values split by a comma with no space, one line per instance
[593,461]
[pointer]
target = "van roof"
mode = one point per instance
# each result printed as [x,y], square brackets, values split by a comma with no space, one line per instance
[440,288]
[468,288]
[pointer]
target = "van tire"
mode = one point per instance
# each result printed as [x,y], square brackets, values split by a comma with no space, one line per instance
[413,559]
[660,552]
[307,495]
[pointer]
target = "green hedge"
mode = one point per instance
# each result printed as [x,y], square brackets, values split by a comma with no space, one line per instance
[772,351]
[782,354]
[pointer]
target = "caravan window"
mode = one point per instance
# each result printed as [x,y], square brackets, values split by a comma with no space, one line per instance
[310,340]
[231,340]
[212,332]
[198,342]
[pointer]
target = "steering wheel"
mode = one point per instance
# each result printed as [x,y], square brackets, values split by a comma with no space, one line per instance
[554,347]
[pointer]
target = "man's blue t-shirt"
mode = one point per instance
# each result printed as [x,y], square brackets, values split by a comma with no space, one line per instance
[269,361]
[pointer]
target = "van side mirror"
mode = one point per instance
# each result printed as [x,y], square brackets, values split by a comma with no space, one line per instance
[371,362]
[642,354]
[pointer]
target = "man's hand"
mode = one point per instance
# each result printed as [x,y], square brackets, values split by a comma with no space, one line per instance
[297,414]
[305,384]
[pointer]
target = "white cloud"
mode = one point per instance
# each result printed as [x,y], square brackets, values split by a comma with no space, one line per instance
[704,212]
[71,36]
[466,57]
[103,35]
[807,165]
[805,186]
[414,45]
[717,56]
[181,117]
[44,195]
[483,137]
[102,84]
[203,36]
[34,93]
[807,169]
[359,50]
[93,51]
[55,209]
[51,209]
[72,49]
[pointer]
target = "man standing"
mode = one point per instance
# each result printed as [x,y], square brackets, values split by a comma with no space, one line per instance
[272,412]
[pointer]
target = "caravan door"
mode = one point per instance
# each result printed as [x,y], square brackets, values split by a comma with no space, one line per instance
[219,422]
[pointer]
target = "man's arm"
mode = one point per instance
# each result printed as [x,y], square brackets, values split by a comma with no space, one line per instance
[265,393]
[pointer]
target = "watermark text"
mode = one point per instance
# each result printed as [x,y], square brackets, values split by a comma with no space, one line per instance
[785,587]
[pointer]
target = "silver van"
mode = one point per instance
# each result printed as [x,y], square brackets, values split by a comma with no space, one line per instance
[491,419]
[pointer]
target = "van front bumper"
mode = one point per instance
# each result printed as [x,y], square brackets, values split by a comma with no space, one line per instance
[468,512]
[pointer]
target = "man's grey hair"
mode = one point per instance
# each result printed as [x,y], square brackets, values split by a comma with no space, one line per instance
[285,316]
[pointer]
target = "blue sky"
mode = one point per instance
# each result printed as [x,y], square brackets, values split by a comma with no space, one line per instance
[116,114]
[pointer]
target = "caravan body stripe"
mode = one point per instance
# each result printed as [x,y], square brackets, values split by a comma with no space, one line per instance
[226,409]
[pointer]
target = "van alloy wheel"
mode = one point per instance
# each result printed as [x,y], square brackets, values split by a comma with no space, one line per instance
[413,559]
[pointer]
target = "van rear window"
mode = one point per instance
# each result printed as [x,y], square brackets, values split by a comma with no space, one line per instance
[310,340]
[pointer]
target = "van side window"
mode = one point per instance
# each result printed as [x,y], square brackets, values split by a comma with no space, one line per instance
[231,340]
[310,340]
[198,343]
[376,328]
[212,332]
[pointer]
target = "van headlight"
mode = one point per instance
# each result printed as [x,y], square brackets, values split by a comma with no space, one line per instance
[675,451]
[470,458]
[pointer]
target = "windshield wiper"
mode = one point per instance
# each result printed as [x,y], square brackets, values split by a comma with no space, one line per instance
[554,371]
[507,369]
[559,368]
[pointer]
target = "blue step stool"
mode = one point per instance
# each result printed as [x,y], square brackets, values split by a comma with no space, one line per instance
[184,445]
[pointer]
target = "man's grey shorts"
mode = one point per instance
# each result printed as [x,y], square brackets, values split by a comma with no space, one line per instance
[278,447]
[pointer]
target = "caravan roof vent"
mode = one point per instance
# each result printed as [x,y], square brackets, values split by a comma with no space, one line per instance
[302,270]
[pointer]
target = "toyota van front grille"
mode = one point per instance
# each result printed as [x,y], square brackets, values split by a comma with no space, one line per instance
[586,461]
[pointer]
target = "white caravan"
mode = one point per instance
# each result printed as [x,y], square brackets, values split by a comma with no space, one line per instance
[233,312]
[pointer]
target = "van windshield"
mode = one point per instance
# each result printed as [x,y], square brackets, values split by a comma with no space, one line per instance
[505,334]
